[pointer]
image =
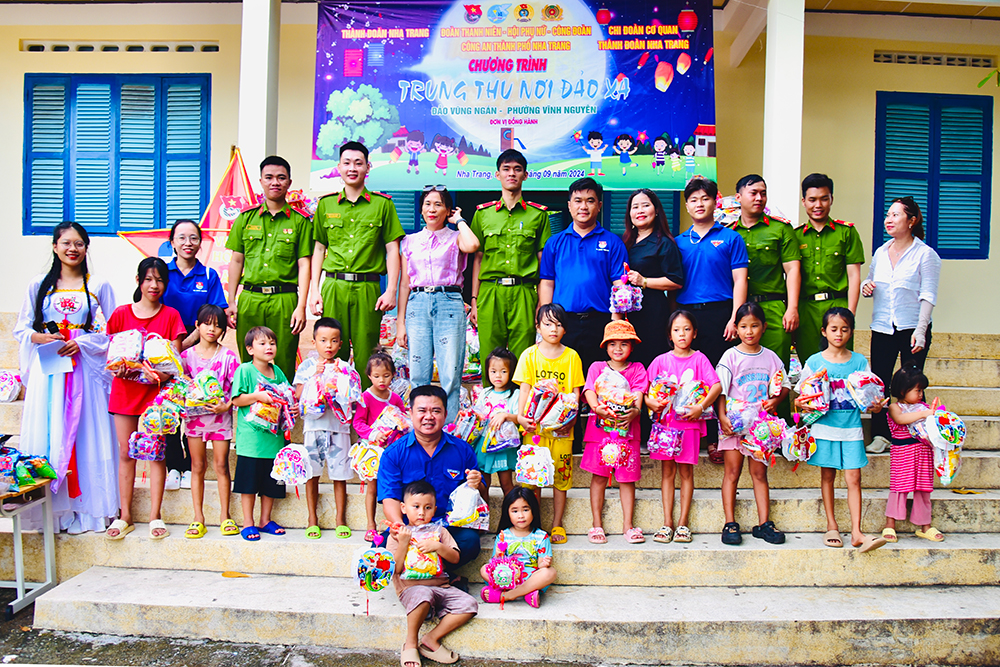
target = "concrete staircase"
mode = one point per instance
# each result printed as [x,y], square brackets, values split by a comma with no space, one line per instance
[915,602]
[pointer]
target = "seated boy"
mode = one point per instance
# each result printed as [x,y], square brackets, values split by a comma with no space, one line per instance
[420,580]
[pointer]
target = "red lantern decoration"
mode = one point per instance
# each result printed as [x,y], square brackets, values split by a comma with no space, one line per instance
[687,20]
[604,16]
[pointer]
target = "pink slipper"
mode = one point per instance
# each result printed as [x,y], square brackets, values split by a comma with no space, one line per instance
[533,599]
[491,595]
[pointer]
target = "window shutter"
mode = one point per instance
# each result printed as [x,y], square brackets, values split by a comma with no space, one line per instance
[615,203]
[183,139]
[405,202]
[92,178]
[137,164]
[46,157]
[959,218]
[184,119]
[183,190]
[907,137]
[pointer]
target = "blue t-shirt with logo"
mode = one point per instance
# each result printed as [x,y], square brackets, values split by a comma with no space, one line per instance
[709,262]
[583,267]
[188,293]
[405,461]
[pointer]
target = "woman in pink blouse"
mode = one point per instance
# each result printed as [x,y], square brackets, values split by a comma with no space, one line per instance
[431,318]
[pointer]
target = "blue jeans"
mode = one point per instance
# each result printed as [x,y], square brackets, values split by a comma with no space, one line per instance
[435,326]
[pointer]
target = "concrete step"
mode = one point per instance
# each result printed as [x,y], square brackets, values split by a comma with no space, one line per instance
[963,372]
[10,354]
[10,417]
[945,345]
[979,401]
[983,431]
[793,510]
[576,624]
[966,560]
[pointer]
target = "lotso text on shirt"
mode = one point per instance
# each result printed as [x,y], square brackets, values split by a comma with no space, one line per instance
[544,374]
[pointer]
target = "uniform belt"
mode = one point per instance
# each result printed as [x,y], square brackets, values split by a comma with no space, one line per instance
[728,303]
[826,296]
[767,296]
[438,288]
[588,314]
[274,288]
[510,281]
[356,277]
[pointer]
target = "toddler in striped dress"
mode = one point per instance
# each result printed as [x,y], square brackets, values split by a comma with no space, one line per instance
[911,462]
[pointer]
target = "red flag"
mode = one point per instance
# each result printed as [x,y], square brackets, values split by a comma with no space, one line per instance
[232,196]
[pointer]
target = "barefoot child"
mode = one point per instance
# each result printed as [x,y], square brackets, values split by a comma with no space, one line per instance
[550,359]
[256,448]
[745,372]
[326,438]
[502,400]
[618,338]
[210,355]
[129,398]
[911,462]
[520,535]
[840,441]
[421,595]
[380,370]
[680,364]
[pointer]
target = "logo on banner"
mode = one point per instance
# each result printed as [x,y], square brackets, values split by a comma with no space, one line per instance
[498,13]
[552,13]
[231,207]
[473,13]
[525,13]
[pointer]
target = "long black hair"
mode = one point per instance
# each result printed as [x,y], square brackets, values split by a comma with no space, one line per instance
[156,264]
[52,277]
[510,499]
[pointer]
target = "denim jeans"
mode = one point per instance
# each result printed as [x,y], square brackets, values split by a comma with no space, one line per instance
[435,327]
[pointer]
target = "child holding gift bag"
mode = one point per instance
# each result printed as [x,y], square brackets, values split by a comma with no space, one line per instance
[551,360]
[605,454]
[501,401]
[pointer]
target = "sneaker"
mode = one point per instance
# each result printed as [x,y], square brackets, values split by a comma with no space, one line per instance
[768,533]
[731,534]
[877,445]
[186,479]
[173,480]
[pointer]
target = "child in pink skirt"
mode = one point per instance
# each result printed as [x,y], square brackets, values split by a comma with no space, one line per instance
[618,337]
[681,364]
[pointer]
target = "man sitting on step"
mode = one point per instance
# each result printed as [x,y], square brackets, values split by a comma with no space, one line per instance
[427,453]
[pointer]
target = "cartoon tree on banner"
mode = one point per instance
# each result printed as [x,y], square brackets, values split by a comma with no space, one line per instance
[359,115]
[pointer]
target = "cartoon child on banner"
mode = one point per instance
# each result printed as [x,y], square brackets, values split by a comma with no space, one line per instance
[625,147]
[443,146]
[660,147]
[596,152]
[414,146]
[689,164]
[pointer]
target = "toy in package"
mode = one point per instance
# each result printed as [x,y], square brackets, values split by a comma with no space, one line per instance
[800,445]
[625,298]
[125,351]
[387,330]
[340,386]
[8,480]
[690,394]
[504,572]
[10,386]
[146,447]
[291,465]
[534,465]
[794,368]
[945,430]
[312,404]
[401,359]
[389,426]
[763,438]
[276,416]
[664,440]
[947,463]
[160,354]
[615,452]
[663,390]
[814,391]
[741,415]
[613,392]
[204,392]
[562,411]
[505,436]
[866,390]
[776,383]
[468,425]
[365,457]
[543,395]
[472,371]
[420,565]
[468,509]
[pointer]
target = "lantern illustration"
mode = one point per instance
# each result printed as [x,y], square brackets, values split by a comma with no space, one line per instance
[687,21]
[683,63]
[604,16]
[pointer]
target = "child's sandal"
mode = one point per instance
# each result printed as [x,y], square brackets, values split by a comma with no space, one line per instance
[683,534]
[558,535]
[596,536]
[889,535]
[664,535]
[196,531]
[229,528]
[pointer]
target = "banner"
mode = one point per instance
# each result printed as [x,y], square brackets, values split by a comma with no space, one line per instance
[620,89]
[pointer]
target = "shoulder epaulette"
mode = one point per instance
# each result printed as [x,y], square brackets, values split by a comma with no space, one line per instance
[330,194]
[489,203]
[538,206]
[843,222]
[251,208]
[382,194]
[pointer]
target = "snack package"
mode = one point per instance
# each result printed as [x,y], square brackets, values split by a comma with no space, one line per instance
[505,573]
[775,384]
[615,452]
[400,387]
[534,466]
[947,463]
[543,395]
[866,390]
[613,391]
[204,392]
[312,404]
[663,390]
[401,359]
[741,415]
[688,395]
[389,426]
[468,425]
[387,331]
[561,412]
[794,368]
[764,437]
[161,355]
[22,473]
[945,430]
[665,440]
[125,351]
[276,416]
[814,390]
[340,386]
[473,368]
[375,568]
[365,458]
[10,386]
[506,436]
[41,467]
[625,298]
[800,445]
[291,465]
[145,447]
[468,509]
[7,477]
[419,565]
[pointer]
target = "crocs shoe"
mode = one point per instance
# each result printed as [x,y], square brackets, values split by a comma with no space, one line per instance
[767,532]
[731,534]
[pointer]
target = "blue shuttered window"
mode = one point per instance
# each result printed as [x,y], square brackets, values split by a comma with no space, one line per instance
[937,149]
[115,152]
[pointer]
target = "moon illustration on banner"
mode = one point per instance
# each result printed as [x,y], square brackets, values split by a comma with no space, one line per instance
[582,69]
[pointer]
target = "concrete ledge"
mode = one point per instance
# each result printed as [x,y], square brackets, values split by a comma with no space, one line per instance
[966,400]
[778,626]
[945,345]
[962,560]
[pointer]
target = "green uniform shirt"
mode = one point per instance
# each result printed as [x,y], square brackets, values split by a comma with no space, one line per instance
[770,244]
[355,233]
[826,254]
[250,440]
[510,239]
[272,244]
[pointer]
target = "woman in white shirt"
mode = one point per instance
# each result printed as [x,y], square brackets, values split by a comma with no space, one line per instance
[903,280]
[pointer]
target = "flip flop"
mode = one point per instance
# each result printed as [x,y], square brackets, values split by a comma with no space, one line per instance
[250,534]
[870,544]
[313,533]
[665,535]
[932,534]
[343,532]
[409,656]
[272,529]
[196,531]
[370,535]
[229,527]
[831,538]
[714,455]
[122,528]
[558,535]
[634,536]
[596,536]
[157,524]
[889,535]
[443,655]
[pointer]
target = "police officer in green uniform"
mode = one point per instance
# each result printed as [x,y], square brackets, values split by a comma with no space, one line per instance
[511,233]
[357,235]
[774,278]
[832,256]
[272,245]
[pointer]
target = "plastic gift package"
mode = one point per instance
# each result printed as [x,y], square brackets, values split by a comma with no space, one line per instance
[420,565]
[10,386]
[389,426]
[468,425]
[161,355]
[947,463]
[375,568]
[505,573]
[814,391]
[613,392]
[765,436]
[125,351]
[800,445]
[866,390]
[543,395]
[625,298]
[663,390]
[291,465]
[468,509]
[145,447]
[387,331]
[741,414]
[664,440]
[505,436]
[688,395]
[615,452]
[204,392]
[472,370]
[561,412]
[775,384]
[534,466]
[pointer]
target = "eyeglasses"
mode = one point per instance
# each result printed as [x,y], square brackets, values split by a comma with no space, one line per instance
[436,188]
[76,245]
[187,239]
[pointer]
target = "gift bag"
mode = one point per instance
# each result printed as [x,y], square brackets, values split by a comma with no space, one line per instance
[741,415]
[763,438]
[468,425]
[145,447]
[625,298]
[814,391]
[468,509]
[10,386]
[291,465]
[947,463]
[800,445]
[613,392]
[615,452]
[664,440]
[775,384]
[420,565]
[161,355]
[472,371]
[389,426]
[504,437]
[689,394]
[543,395]
[534,466]
[125,351]
[561,412]
[204,392]
[387,331]
[663,390]
[866,390]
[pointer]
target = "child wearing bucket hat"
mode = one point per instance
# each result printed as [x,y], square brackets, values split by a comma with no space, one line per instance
[614,390]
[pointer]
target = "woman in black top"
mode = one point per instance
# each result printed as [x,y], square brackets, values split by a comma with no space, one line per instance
[655,265]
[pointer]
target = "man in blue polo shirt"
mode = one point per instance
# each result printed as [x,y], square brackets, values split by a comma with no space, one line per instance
[428,453]
[579,266]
